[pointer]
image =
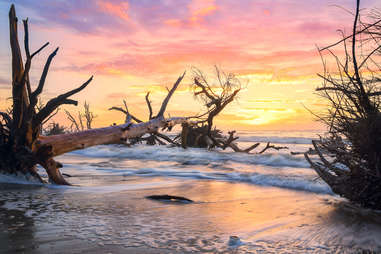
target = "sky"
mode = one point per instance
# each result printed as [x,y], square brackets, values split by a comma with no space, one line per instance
[135,46]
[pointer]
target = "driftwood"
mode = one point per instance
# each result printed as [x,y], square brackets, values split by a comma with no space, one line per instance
[197,136]
[155,137]
[349,158]
[199,132]
[21,145]
[216,97]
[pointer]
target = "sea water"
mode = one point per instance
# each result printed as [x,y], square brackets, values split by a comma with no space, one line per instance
[270,202]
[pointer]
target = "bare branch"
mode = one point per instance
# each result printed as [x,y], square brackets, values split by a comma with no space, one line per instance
[40,49]
[149,106]
[43,78]
[268,146]
[51,116]
[72,120]
[25,77]
[170,93]
[56,102]
[125,111]
[350,36]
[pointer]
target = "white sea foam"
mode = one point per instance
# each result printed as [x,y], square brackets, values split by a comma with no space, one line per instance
[277,139]
[289,182]
[19,179]
[268,169]
[192,156]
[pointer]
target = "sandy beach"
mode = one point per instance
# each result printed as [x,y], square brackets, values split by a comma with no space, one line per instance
[266,219]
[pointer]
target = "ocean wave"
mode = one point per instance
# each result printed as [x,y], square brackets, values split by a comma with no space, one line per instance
[283,181]
[277,139]
[291,181]
[192,156]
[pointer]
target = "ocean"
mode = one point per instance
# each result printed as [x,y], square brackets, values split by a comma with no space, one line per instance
[250,203]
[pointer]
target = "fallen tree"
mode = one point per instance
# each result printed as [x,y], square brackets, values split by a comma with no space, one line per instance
[349,157]
[22,147]
[154,137]
[200,132]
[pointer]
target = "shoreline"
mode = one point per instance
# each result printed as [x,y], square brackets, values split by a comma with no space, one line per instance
[123,221]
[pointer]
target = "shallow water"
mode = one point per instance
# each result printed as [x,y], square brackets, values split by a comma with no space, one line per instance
[273,168]
[272,202]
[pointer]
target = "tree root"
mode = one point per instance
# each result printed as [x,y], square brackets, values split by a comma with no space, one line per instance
[355,184]
[52,168]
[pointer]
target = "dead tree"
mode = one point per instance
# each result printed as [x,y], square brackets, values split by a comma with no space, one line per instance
[349,157]
[87,117]
[21,145]
[216,97]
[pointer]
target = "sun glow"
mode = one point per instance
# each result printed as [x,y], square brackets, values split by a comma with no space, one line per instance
[265,116]
[133,47]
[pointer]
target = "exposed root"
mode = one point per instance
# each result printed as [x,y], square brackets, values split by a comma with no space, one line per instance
[52,168]
[361,188]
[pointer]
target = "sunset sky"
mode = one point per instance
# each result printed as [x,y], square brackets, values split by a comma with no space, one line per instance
[136,46]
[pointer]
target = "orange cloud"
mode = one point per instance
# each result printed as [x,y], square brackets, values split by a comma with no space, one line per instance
[173,22]
[201,8]
[115,9]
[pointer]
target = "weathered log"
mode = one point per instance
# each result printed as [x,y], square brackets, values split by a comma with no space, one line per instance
[65,143]
[155,136]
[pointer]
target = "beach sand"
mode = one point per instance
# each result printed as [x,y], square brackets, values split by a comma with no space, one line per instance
[87,219]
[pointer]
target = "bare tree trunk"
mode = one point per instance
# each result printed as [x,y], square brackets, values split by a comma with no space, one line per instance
[118,134]
[22,147]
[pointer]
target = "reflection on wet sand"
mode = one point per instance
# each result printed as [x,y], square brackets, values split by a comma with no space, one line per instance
[51,220]
[16,231]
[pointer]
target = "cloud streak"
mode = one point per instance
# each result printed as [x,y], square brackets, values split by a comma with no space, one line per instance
[149,42]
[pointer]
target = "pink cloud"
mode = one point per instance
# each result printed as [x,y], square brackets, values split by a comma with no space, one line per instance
[198,10]
[119,10]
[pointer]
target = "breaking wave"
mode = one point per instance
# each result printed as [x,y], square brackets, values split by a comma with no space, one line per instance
[271,169]
[278,169]
[192,156]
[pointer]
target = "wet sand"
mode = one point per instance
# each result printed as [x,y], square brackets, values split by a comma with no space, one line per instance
[88,219]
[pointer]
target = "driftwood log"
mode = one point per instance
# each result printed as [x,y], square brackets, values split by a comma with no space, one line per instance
[155,137]
[22,147]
